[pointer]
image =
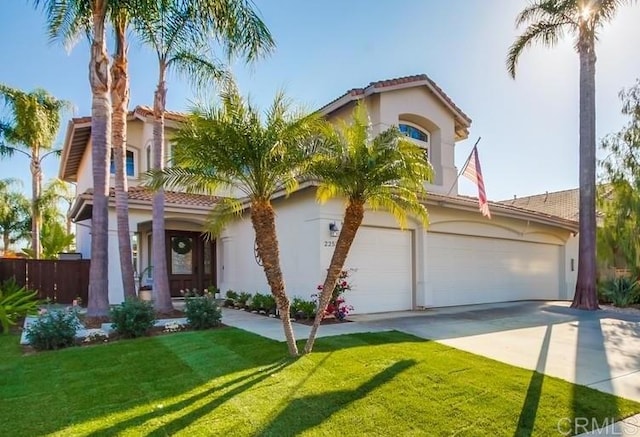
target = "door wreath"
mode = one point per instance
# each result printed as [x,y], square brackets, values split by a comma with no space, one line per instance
[181,245]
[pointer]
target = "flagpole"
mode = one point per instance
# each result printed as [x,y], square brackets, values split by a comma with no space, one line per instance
[463,167]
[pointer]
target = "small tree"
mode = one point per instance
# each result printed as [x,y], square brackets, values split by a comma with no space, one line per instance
[619,195]
[231,146]
[387,172]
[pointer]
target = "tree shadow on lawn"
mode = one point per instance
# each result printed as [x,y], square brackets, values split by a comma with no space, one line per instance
[89,388]
[179,423]
[307,412]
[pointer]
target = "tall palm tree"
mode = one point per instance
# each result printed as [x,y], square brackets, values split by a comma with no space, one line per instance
[32,130]
[120,94]
[66,19]
[230,146]
[546,22]
[387,172]
[180,33]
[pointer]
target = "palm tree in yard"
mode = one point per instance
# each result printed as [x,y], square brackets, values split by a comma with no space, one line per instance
[15,220]
[35,119]
[67,18]
[387,172]
[231,146]
[546,22]
[120,94]
[181,33]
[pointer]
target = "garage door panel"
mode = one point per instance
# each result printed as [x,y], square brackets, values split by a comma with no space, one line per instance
[381,276]
[468,270]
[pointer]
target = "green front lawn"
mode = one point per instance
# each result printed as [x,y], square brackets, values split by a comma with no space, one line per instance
[229,382]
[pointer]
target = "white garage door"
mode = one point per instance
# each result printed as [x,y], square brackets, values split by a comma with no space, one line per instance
[382,278]
[467,270]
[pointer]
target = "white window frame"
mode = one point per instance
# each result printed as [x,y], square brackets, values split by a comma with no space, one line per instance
[134,151]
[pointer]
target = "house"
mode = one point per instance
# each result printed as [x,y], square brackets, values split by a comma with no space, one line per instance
[461,258]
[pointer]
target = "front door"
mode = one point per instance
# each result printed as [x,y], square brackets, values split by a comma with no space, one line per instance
[190,261]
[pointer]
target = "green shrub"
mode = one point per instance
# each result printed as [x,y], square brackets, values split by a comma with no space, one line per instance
[262,302]
[15,302]
[269,304]
[231,295]
[202,312]
[303,309]
[53,330]
[621,291]
[133,318]
[243,298]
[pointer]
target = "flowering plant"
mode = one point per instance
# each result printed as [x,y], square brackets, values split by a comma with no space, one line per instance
[337,306]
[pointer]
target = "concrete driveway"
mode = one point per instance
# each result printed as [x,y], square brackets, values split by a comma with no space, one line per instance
[599,349]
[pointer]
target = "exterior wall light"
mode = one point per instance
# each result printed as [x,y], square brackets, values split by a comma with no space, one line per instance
[334,230]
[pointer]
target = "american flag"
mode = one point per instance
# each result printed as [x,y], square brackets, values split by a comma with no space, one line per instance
[473,172]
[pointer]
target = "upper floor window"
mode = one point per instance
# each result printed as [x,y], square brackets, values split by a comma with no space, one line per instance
[129,164]
[414,132]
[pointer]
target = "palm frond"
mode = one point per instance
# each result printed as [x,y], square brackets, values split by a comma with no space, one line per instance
[200,70]
[226,210]
[386,172]
[547,33]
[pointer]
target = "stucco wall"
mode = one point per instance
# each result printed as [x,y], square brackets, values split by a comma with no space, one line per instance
[299,234]
[420,107]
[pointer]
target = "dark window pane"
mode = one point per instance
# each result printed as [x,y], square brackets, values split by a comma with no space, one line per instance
[130,166]
[413,132]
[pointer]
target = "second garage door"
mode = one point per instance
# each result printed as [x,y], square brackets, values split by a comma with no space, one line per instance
[468,270]
[382,276]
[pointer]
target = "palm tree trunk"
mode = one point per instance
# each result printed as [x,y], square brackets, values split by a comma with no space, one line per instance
[586,297]
[264,225]
[99,79]
[36,190]
[6,242]
[120,103]
[352,220]
[162,294]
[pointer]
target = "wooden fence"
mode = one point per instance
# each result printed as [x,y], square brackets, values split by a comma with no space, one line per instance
[60,281]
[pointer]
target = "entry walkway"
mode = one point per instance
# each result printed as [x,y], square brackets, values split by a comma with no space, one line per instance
[272,328]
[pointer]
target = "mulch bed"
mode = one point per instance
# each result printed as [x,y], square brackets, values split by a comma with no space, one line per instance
[329,320]
[96,322]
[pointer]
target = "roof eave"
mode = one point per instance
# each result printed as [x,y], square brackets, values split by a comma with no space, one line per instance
[501,210]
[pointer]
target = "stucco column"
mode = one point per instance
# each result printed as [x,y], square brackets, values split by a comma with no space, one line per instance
[420,267]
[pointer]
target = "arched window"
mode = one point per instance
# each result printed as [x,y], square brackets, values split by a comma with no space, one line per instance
[414,132]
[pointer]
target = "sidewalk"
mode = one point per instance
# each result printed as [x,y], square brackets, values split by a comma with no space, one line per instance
[272,328]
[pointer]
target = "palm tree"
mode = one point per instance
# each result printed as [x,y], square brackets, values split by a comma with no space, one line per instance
[180,33]
[32,130]
[230,146]
[546,22]
[388,172]
[15,220]
[66,19]
[120,103]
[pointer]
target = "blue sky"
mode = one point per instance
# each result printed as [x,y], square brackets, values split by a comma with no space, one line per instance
[529,127]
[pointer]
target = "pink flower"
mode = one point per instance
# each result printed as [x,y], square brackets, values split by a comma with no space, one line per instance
[319,287]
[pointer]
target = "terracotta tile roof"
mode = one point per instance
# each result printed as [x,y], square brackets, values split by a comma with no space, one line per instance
[147,111]
[563,204]
[79,132]
[170,197]
[381,84]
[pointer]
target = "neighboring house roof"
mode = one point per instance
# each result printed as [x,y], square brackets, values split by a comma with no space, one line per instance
[462,120]
[82,207]
[563,203]
[79,132]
